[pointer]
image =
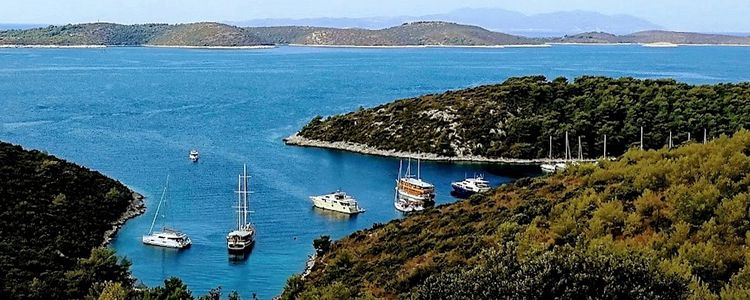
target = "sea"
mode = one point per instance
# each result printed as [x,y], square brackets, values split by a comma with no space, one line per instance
[135,113]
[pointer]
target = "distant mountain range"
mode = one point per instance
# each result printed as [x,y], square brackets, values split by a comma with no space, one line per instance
[429,33]
[501,20]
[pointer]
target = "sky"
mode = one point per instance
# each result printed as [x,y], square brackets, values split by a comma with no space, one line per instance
[687,15]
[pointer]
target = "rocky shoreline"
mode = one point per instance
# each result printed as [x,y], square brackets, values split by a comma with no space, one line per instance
[136,208]
[297,140]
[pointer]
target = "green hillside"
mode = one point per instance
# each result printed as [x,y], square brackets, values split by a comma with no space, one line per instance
[53,213]
[204,34]
[515,119]
[659,224]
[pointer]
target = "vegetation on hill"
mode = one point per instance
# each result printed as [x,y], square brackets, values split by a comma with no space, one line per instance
[655,224]
[516,118]
[53,213]
[417,33]
[195,34]
[83,34]
[53,216]
[205,34]
[655,36]
[216,34]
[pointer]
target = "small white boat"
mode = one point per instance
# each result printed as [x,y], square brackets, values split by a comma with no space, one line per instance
[561,166]
[194,155]
[470,186]
[408,206]
[167,237]
[548,168]
[338,202]
[242,239]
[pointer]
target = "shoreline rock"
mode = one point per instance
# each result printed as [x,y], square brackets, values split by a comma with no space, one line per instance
[297,140]
[136,208]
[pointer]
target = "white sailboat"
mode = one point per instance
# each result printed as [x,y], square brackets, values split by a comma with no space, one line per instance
[242,238]
[549,168]
[167,237]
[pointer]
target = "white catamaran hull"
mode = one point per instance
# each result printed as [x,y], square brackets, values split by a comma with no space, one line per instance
[163,242]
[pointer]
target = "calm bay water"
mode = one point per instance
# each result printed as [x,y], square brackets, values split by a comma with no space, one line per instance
[133,114]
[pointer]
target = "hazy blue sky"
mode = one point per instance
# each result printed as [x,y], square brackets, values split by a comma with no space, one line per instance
[705,15]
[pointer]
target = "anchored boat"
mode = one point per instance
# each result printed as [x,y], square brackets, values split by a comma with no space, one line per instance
[338,202]
[470,186]
[242,238]
[412,193]
[167,237]
[194,156]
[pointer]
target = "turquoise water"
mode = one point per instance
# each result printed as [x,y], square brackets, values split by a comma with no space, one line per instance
[133,114]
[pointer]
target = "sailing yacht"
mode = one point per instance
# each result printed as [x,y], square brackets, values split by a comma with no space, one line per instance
[242,238]
[167,237]
[412,193]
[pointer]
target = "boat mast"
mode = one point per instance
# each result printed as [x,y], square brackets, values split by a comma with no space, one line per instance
[605,146]
[580,149]
[419,163]
[641,137]
[567,147]
[704,135]
[239,202]
[158,207]
[245,192]
[550,147]
[670,139]
[688,137]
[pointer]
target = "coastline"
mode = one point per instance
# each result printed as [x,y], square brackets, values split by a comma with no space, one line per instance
[136,208]
[297,140]
[54,46]
[422,46]
[211,47]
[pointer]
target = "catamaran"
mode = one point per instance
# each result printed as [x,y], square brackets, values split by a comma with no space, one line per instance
[167,237]
[338,201]
[242,238]
[412,193]
[470,186]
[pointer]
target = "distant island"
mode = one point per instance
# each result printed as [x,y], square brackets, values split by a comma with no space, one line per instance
[657,224]
[423,33]
[514,121]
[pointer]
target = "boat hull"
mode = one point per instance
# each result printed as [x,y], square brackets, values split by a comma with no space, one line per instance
[321,203]
[165,243]
[462,192]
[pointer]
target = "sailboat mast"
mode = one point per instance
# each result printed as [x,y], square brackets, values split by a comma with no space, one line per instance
[419,163]
[605,146]
[567,147]
[580,149]
[704,135]
[245,191]
[158,207]
[550,147]
[641,137]
[239,202]
[670,139]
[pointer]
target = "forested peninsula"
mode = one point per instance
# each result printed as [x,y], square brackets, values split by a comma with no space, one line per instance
[54,218]
[514,120]
[654,224]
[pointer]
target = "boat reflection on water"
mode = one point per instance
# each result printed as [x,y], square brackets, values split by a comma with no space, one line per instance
[333,215]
